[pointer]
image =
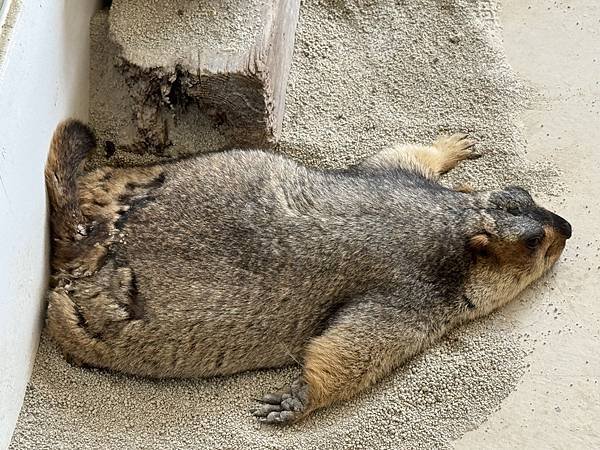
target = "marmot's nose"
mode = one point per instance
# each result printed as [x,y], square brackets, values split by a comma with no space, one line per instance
[562,226]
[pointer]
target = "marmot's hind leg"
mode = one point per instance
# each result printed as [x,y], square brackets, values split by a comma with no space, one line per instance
[364,344]
[87,316]
[429,161]
[94,297]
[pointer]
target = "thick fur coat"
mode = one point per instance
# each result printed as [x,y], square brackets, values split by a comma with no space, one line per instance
[243,260]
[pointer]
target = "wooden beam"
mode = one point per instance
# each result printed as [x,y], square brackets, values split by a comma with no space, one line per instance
[236,69]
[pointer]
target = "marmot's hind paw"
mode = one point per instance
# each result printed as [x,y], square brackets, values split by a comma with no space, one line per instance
[284,406]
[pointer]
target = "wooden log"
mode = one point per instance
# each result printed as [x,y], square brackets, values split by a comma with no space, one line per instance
[232,57]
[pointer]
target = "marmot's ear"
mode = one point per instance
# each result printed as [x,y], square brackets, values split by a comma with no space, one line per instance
[479,243]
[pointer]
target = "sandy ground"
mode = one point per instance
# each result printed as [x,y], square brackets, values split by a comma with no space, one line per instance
[398,71]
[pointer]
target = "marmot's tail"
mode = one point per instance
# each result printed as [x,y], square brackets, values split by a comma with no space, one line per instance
[71,143]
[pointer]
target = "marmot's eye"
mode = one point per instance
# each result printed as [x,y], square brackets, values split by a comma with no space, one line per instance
[533,242]
[513,210]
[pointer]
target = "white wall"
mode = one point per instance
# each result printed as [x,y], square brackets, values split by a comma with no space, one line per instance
[44,68]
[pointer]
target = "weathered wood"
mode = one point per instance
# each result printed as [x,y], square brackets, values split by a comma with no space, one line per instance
[184,51]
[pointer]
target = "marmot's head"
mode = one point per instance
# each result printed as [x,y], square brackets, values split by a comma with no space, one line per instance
[515,243]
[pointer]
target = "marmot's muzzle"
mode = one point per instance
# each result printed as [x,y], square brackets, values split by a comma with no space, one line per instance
[561,225]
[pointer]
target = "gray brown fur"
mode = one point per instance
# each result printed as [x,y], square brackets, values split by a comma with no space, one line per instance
[244,260]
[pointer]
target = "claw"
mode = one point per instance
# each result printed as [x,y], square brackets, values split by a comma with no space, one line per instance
[272,398]
[278,417]
[265,410]
[284,406]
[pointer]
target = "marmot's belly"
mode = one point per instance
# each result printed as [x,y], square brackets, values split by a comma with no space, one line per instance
[208,332]
[196,351]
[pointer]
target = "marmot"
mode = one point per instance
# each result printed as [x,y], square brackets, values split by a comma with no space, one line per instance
[241,260]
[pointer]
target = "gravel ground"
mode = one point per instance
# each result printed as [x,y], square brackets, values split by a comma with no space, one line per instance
[364,76]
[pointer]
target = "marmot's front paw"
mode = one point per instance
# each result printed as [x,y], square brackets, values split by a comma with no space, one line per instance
[285,406]
[457,147]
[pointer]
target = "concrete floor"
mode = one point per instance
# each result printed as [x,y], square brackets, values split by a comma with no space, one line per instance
[553,46]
